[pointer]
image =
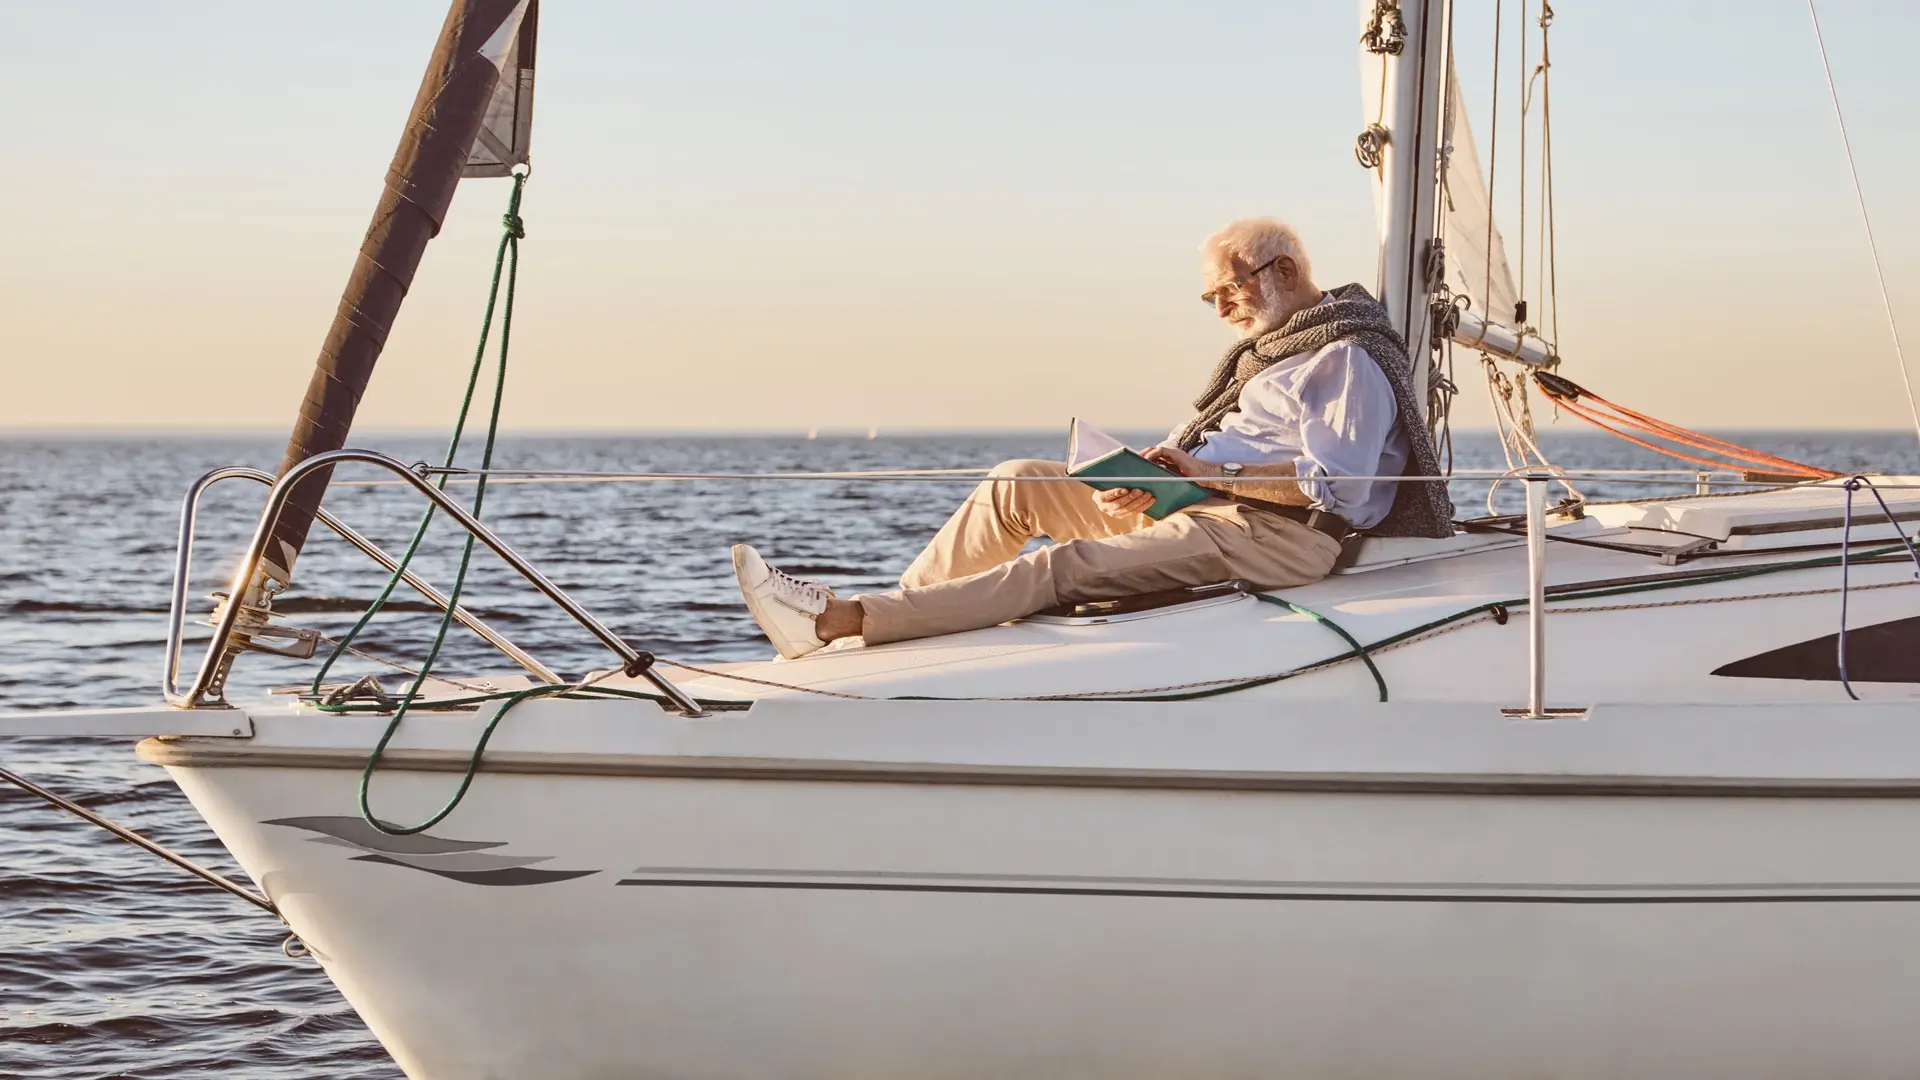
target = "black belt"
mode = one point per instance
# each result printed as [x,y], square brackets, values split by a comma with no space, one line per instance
[1327,522]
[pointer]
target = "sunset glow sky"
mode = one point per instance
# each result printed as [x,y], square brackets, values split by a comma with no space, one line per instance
[771,216]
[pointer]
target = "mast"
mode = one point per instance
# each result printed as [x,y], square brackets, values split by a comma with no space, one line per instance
[1409,38]
[454,96]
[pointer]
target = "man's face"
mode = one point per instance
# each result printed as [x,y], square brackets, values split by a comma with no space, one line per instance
[1241,298]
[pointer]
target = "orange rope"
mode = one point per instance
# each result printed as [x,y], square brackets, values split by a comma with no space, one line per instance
[1744,457]
[1700,441]
[1784,466]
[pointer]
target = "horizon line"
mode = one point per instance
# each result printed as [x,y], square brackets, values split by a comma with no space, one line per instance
[824,432]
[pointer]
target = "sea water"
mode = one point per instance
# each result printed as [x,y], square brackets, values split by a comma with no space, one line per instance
[113,964]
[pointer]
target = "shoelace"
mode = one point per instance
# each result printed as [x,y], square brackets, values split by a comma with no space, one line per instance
[791,588]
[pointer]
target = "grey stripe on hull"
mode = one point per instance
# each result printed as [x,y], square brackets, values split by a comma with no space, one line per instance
[216,753]
[1259,883]
[1303,891]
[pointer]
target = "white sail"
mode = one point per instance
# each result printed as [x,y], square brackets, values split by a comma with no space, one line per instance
[1476,252]
[507,128]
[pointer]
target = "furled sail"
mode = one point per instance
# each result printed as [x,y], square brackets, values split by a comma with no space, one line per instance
[506,128]
[458,92]
[1476,252]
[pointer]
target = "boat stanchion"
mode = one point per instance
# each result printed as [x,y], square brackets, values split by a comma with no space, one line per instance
[1537,708]
[1537,594]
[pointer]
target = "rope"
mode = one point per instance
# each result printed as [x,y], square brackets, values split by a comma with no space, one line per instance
[1498,610]
[507,258]
[1860,196]
[515,230]
[1379,679]
[1568,395]
[765,682]
[1495,609]
[1516,433]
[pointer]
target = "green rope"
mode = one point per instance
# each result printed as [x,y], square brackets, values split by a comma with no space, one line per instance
[515,230]
[507,258]
[1358,649]
[1520,603]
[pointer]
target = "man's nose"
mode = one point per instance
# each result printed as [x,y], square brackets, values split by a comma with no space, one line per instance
[1222,303]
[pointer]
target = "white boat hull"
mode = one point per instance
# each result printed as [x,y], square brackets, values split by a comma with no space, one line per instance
[743,910]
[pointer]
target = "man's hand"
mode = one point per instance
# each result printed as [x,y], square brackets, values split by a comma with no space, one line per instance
[1123,502]
[1180,462]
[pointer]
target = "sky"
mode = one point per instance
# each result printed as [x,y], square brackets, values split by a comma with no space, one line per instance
[766,216]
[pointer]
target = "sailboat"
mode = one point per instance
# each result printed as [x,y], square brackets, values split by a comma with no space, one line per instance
[1607,789]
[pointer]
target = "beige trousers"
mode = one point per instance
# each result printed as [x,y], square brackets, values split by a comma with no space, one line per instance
[973,573]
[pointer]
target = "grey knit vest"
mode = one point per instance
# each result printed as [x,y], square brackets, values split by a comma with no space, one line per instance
[1351,314]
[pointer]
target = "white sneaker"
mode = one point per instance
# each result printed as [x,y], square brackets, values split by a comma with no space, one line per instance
[785,606]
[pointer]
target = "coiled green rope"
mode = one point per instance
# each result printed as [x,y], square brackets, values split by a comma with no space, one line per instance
[506,262]
[507,259]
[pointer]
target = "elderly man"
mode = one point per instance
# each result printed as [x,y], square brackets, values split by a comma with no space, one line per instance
[1318,387]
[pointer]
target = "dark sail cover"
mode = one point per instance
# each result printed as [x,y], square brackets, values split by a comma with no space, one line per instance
[461,93]
[507,127]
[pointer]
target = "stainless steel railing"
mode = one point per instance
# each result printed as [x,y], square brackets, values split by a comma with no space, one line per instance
[1537,594]
[189,515]
[633,661]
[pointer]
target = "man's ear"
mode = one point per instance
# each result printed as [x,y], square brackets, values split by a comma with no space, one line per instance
[1287,271]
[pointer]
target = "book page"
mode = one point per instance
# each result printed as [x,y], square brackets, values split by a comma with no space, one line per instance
[1087,444]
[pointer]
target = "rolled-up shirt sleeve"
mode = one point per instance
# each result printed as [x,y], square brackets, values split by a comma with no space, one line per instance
[1346,413]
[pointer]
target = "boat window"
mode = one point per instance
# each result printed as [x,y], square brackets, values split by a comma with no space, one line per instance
[1886,652]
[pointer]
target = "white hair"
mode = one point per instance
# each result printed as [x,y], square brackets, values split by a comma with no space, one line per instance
[1258,241]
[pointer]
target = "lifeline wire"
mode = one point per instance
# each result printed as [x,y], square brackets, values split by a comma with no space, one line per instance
[1860,196]
[1186,692]
[1681,477]
[1496,609]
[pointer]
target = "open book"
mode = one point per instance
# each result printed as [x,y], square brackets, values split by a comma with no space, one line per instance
[1093,455]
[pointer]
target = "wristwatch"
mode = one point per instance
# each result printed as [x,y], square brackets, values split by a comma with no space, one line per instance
[1230,470]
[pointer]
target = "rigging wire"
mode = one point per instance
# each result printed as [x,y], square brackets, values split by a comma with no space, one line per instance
[1860,196]
[1549,262]
[1493,165]
[1526,100]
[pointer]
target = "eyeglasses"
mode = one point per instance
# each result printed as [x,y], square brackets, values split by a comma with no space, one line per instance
[1239,284]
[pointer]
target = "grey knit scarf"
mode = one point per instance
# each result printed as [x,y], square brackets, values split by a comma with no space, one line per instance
[1351,314]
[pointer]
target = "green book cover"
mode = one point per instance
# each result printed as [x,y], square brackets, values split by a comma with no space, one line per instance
[1093,455]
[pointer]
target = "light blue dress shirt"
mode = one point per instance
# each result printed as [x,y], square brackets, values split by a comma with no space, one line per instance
[1331,412]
